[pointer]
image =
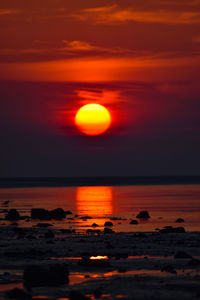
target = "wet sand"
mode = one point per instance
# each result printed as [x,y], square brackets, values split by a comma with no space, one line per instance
[132,265]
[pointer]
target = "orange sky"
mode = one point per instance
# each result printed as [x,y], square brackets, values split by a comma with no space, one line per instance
[141,59]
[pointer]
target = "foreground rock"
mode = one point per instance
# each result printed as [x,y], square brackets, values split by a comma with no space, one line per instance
[181,254]
[143,215]
[17,294]
[134,222]
[46,275]
[40,214]
[58,214]
[170,229]
[12,215]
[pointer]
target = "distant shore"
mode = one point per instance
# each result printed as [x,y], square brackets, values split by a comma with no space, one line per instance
[96,181]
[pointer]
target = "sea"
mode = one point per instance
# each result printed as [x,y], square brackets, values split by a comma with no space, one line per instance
[118,200]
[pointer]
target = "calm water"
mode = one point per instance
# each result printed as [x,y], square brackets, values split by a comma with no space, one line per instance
[165,204]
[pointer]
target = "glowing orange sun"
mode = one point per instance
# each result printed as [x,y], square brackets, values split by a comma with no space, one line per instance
[93,119]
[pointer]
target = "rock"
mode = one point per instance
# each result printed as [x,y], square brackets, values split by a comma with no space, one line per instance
[181,254]
[46,275]
[40,214]
[143,215]
[169,269]
[17,294]
[109,224]
[108,230]
[75,295]
[43,225]
[97,293]
[58,214]
[179,220]
[12,215]
[134,222]
[170,229]
[194,262]
[95,225]
[86,218]
[86,262]
[68,212]
[49,234]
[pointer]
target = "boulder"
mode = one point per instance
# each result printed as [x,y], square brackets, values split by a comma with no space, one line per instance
[40,214]
[143,215]
[75,295]
[179,220]
[45,275]
[181,254]
[95,225]
[12,215]
[58,214]
[169,269]
[194,262]
[108,224]
[108,230]
[134,222]
[170,229]
[49,234]
[17,294]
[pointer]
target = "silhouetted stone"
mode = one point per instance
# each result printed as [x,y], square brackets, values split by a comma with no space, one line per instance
[12,215]
[181,254]
[40,214]
[68,212]
[108,230]
[86,218]
[134,222]
[86,262]
[46,275]
[75,295]
[58,214]
[194,262]
[44,225]
[95,225]
[17,294]
[169,269]
[109,224]
[170,229]
[143,215]
[179,220]
[49,234]
[97,293]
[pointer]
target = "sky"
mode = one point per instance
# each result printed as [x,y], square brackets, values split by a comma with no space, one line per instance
[140,59]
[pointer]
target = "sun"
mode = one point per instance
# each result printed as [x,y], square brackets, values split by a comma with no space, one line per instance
[93,119]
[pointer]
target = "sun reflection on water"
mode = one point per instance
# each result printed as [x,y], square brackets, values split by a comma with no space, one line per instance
[95,201]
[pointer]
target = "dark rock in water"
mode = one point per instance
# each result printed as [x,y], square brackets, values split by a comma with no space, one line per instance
[169,269]
[121,270]
[40,214]
[86,218]
[179,220]
[49,234]
[86,262]
[108,230]
[58,214]
[143,215]
[109,224]
[181,254]
[194,262]
[97,293]
[44,225]
[46,275]
[68,212]
[12,215]
[75,295]
[17,294]
[170,229]
[95,225]
[134,222]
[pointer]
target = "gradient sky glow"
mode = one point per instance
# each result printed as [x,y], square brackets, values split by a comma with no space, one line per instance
[141,59]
